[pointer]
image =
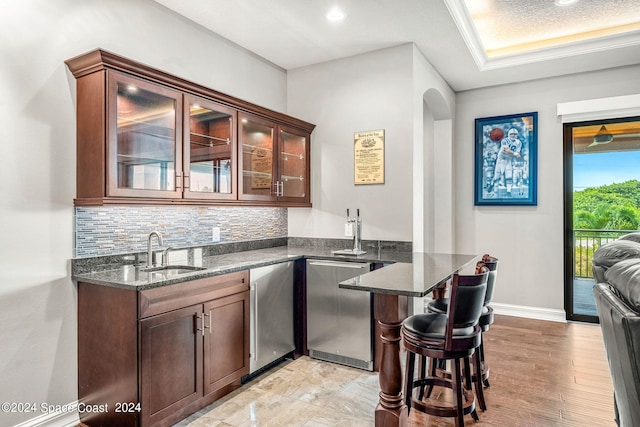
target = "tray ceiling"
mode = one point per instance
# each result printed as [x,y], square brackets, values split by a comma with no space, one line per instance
[471,43]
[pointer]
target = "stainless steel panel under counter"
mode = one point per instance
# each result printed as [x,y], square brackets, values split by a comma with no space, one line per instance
[339,321]
[271,307]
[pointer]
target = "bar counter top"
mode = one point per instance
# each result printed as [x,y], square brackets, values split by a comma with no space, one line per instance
[416,278]
[129,273]
[405,273]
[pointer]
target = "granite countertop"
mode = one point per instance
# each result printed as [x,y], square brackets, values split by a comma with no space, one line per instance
[416,278]
[134,277]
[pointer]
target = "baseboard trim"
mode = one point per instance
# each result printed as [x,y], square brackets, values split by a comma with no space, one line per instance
[537,313]
[59,418]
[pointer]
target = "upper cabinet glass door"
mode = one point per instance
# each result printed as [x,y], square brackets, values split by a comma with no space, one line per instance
[144,144]
[256,141]
[294,165]
[210,150]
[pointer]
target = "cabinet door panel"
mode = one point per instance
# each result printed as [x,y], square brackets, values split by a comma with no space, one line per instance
[171,361]
[293,172]
[257,162]
[144,149]
[226,340]
[209,150]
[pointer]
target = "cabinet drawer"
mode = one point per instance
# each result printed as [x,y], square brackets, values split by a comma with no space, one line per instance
[160,300]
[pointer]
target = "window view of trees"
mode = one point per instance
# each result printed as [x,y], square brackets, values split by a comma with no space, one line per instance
[608,207]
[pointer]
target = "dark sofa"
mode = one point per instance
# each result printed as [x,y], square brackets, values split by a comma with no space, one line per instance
[616,266]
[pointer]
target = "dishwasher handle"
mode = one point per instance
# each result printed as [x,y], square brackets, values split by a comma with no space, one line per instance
[354,265]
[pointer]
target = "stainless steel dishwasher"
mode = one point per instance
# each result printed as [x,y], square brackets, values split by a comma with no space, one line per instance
[339,321]
[271,307]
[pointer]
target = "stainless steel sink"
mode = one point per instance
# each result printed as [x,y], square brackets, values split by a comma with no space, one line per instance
[172,270]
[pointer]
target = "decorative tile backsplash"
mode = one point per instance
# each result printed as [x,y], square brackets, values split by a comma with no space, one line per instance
[123,229]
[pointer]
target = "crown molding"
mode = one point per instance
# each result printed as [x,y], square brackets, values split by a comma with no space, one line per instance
[467,29]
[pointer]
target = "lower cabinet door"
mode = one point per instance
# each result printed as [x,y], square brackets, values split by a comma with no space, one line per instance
[226,341]
[171,362]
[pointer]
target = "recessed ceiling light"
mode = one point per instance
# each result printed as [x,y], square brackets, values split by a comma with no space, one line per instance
[335,14]
[565,2]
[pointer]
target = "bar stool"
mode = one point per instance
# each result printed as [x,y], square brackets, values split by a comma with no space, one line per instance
[452,336]
[486,318]
[440,303]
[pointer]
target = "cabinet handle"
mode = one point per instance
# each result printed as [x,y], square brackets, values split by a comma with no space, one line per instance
[197,323]
[187,182]
[178,181]
[203,323]
[279,188]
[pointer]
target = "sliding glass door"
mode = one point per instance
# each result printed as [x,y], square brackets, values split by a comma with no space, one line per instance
[602,200]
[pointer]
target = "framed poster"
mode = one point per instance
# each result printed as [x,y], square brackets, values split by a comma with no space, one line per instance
[368,157]
[506,160]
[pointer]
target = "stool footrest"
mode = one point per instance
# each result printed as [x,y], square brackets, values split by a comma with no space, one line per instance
[443,409]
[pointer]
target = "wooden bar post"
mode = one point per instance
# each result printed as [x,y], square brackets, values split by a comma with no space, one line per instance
[390,311]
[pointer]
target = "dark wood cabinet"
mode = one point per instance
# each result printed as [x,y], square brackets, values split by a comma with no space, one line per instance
[147,137]
[158,355]
[274,161]
[225,359]
[170,363]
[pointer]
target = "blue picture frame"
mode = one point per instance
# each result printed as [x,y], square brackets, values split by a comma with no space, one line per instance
[506,160]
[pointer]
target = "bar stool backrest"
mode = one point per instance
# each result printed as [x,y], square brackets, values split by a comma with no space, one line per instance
[466,301]
[491,280]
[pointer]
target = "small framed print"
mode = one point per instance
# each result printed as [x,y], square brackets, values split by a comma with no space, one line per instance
[368,157]
[506,160]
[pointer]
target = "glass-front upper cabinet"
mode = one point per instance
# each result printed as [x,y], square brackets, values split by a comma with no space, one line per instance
[257,162]
[146,137]
[294,165]
[209,150]
[274,161]
[145,134]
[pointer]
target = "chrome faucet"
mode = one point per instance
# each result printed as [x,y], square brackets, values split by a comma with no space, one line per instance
[356,224]
[149,251]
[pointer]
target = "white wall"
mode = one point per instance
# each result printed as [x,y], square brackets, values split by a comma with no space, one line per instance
[377,90]
[527,240]
[37,147]
[433,166]
[360,93]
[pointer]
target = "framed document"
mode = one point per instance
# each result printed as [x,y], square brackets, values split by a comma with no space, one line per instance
[261,165]
[368,157]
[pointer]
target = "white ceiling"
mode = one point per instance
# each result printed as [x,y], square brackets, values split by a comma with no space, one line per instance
[538,39]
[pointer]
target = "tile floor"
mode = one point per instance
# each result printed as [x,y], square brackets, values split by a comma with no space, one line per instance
[303,392]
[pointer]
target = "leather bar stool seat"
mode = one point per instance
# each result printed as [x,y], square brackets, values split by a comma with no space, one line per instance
[454,336]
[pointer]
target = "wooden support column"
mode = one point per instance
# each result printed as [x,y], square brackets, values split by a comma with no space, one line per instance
[390,311]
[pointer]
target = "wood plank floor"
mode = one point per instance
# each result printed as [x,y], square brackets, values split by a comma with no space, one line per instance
[542,374]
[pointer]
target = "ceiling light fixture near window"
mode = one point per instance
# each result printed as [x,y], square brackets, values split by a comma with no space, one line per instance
[602,137]
[566,2]
[335,15]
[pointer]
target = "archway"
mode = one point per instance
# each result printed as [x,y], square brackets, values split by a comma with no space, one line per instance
[434,177]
